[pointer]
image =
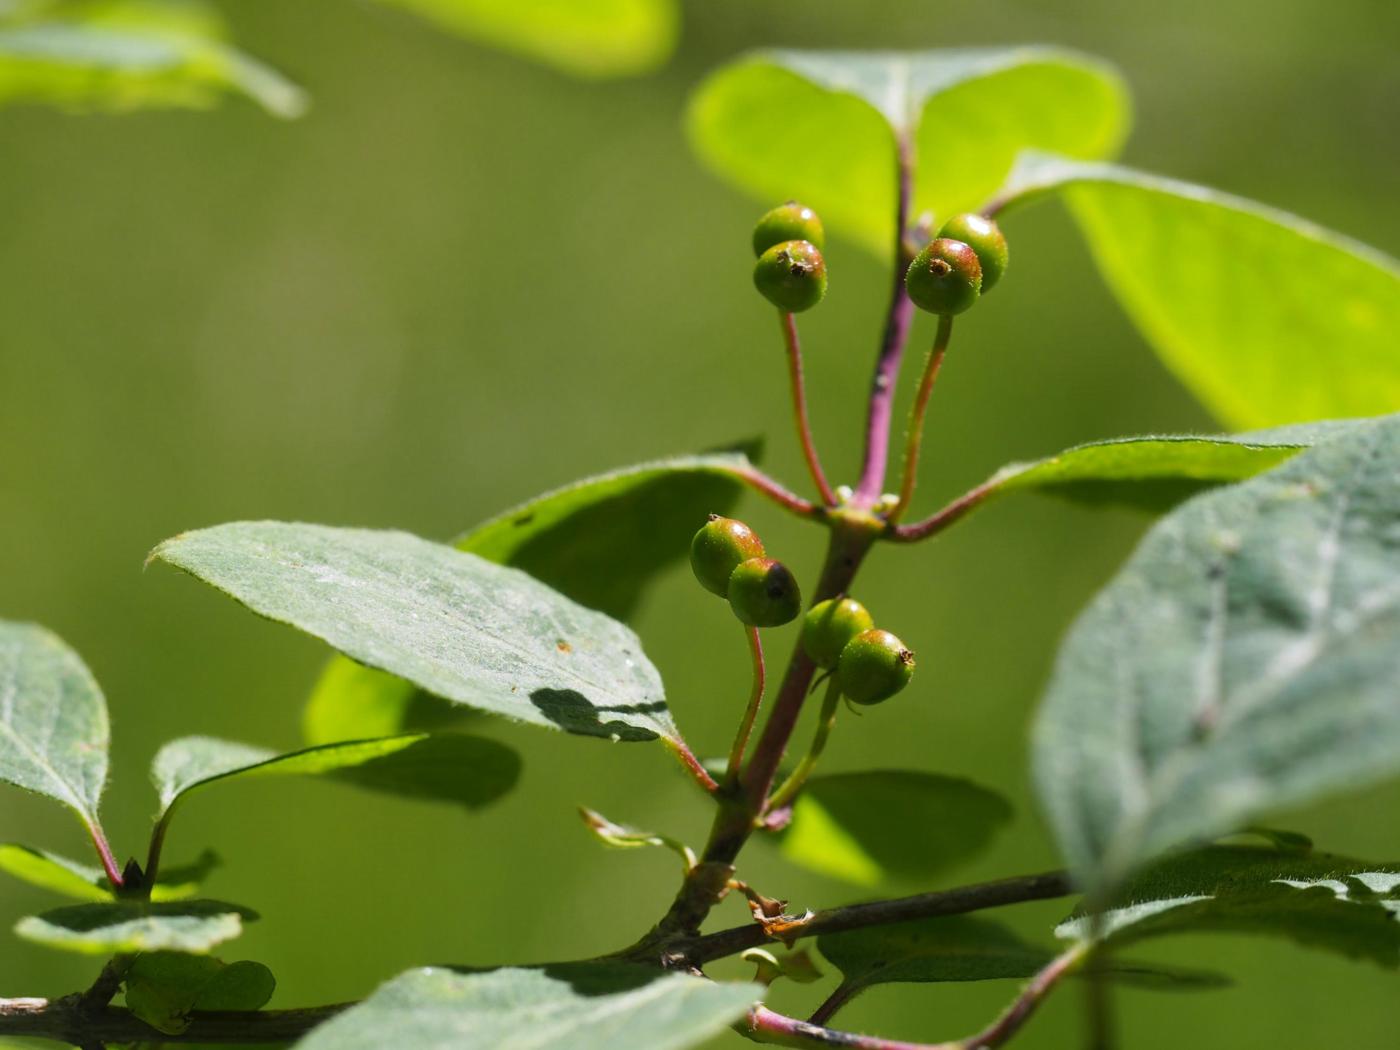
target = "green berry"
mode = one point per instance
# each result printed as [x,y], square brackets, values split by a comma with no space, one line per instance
[788,222]
[763,593]
[873,667]
[985,238]
[791,275]
[718,548]
[944,278]
[830,625]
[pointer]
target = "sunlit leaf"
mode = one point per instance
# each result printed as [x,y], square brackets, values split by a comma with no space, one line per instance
[588,38]
[132,54]
[84,882]
[581,1006]
[468,770]
[196,926]
[1318,900]
[54,733]
[821,126]
[1244,660]
[599,541]
[162,988]
[452,623]
[1266,317]
[869,828]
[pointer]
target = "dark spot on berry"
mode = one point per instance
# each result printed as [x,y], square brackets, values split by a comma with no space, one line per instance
[939,267]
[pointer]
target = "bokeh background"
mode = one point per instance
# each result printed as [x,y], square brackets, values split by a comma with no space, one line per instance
[464,279]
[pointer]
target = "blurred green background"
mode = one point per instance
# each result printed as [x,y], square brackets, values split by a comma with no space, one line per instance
[464,279]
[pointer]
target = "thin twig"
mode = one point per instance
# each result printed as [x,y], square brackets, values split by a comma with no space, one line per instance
[1025,1004]
[788,323]
[941,519]
[741,738]
[108,982]
[66,1021]
[913,441]
[898,318]
[843,994]
[768,1026]
[705,948]
[790,501]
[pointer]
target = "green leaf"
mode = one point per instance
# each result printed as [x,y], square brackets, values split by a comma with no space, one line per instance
[452,623]
[869,828]
[962,948]
[600,541]
[1318,900]
[82,882]
[54,733]
[1157,472]
[582,1006]
[821,126]
[162,988]
[131,54]
[587,38]
[468,770]
[1244,660]
[115,927]
[1264,316]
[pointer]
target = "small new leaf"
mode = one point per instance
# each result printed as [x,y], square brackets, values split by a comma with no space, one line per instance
[196,926]
[162,988]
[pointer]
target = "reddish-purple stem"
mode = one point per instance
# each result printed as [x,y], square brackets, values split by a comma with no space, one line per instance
[799,407]
[741,739]
[766,486]
[1020,1011]
[898,319]
[940,520]
[690,763]
[104,852]
[768,1026]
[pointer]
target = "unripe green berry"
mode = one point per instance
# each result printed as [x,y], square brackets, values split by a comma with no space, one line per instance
[791,275]
[718,549]
[985,238]
[763,593]
[830,625]
[788,222]
[873,667]
[944,278]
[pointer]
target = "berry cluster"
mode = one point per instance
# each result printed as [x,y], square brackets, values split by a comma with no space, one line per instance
[871,665]
[967,258]
[728,559]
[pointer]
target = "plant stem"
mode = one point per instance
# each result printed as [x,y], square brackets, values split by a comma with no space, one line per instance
[897,320]
[741,739]
[107,983]
[843,994]
[949,515]
[104,852]
[788,323]
[766,486]
[705,948]
[66,1020]
[689,763]
[826,720]
[1025,1004]
[913,441]
[767,1026]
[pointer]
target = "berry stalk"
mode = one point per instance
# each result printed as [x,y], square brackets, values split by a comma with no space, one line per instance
[788,323]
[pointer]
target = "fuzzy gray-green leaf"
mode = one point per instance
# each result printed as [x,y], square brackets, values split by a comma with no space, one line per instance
[452,623]
[54,733]
[581,1006]
[1247,658]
